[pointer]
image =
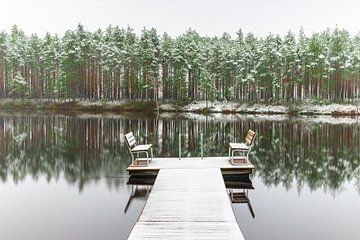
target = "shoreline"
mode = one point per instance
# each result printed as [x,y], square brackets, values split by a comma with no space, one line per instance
[298,108]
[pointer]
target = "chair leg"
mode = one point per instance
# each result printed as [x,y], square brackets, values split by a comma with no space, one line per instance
[147,158]
[132,157]
[152,155]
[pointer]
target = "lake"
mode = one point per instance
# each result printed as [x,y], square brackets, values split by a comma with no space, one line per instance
[63,176]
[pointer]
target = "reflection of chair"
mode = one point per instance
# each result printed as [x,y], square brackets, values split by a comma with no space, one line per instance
[242,148]
[139,192]
[241,197]
[141,187]
[237,181]
[133,148]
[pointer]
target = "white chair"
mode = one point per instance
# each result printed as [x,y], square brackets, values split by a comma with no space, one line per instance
[134,148]
[242,148]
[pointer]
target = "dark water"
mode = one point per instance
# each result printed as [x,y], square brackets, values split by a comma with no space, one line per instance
[63,176]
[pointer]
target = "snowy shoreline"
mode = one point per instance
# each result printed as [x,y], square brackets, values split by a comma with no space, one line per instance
[302,108]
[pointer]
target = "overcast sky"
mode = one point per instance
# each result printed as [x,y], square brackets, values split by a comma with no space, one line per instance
[208,17]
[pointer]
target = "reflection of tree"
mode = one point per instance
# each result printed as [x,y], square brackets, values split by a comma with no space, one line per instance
[356,176]
[321,157]
[85,149]
[78,149]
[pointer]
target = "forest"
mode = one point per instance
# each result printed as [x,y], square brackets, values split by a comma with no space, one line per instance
[118,64]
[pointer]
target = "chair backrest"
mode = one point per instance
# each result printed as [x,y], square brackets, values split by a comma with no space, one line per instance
[250,137]
[130,140]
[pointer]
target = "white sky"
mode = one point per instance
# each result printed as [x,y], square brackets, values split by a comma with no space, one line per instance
[208,17]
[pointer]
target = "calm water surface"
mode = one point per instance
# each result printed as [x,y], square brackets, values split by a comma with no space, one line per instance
[63,176]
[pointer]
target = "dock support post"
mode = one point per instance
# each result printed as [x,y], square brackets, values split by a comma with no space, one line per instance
[202,146]
[179,146]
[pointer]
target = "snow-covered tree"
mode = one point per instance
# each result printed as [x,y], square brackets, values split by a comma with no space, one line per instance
[117,63]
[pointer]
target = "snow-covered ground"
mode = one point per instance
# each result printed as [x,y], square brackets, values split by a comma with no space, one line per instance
[216,111]
[302,108]
[234,117]
[233,107]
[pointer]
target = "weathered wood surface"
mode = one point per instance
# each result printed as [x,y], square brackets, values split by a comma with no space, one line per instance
[191,163]
[187,204]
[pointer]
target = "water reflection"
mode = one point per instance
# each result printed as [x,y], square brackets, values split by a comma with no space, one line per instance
[138,191]
[141,187]
[86,148]
[238,187]
[70,172]
[241,197]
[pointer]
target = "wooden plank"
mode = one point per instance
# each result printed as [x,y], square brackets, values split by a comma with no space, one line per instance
[192,163]
[187,204]
[242,146]
[130,139]
[143,147]
[186,230]
[250,137]
[131,142]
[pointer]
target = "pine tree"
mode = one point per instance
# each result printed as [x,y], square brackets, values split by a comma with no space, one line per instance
[118,64]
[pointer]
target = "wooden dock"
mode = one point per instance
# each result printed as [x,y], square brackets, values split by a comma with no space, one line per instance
[188,200]
[187,204]
[189,163]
